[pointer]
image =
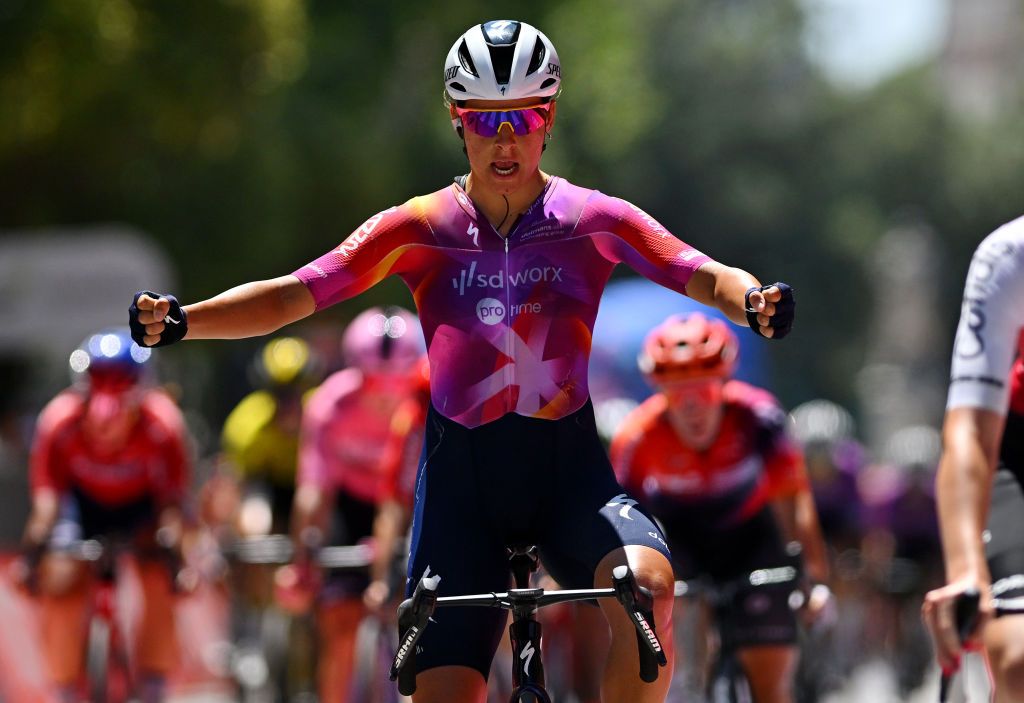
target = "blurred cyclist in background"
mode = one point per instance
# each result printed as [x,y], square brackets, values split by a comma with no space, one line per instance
[261,435]
[900,552]
[833,458]
[260,441]
[713,460]
[110,458]
[341,478]
[981,473]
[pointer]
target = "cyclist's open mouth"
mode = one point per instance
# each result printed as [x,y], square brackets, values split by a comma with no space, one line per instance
[504,169]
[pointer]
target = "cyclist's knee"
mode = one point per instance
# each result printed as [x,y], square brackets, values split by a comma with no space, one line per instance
[450,684]
[1005,644]
[60,576]
[652,571]
[770,670]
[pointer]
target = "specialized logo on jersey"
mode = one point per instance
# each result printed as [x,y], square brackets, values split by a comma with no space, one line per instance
[355,239]
[470,278]
[625,502]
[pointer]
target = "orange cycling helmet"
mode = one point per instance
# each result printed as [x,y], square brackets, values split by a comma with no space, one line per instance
[686,347]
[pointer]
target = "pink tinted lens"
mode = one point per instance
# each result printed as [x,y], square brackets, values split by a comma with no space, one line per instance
[487,124]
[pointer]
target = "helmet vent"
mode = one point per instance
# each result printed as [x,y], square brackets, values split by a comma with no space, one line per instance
[501,59]
[455,85]
[467,61]
[547,83]
[538,57]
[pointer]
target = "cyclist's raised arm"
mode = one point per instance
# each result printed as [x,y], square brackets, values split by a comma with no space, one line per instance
[372,252]
[626,234]
[248,310]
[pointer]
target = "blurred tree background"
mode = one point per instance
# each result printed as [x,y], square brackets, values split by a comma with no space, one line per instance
[248,136]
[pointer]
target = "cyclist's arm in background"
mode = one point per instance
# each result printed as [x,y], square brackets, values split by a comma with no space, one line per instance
[47,466]
[970,439]
[399,466]
[987,342]
[788,485]
[175,446]
[799,518]
[312,504]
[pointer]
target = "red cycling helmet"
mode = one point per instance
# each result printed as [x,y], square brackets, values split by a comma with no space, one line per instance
[686,347]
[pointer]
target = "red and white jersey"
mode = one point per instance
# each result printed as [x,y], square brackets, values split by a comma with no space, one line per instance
[154,462]
[987,369]
[346,428]
[752,460]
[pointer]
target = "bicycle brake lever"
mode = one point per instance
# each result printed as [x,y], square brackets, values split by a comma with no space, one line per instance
[639,605]
[413,615]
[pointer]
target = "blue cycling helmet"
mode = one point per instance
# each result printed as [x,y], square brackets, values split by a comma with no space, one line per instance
[109,352]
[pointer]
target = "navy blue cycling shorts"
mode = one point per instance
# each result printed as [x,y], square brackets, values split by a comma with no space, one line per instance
[517,480]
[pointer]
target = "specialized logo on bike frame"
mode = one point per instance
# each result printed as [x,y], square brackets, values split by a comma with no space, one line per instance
[470,278]
[527,654]
[350,245]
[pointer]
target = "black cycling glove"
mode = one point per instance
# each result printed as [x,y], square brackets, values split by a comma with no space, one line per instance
[175,321]
[785,311]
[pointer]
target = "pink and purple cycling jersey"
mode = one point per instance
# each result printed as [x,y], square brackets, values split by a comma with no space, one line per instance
[346,429]
[507,320]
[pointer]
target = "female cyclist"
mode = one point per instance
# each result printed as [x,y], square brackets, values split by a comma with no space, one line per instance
[713,460]
[506,267]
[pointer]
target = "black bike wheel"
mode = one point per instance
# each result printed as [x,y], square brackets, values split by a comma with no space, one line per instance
[97,662]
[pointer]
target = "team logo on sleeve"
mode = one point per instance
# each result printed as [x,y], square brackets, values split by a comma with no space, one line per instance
[355,239]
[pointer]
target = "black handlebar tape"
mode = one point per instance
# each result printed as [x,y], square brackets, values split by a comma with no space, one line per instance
[639,605]
[413,615]
[966,613]
[965,617]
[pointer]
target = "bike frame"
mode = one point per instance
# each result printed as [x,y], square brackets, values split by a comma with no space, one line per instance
[724,666]
[102,557]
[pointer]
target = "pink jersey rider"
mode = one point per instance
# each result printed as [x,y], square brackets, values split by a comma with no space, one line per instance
[346,427]
[508,321]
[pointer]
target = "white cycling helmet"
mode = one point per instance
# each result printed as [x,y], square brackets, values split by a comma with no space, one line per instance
[502,60]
